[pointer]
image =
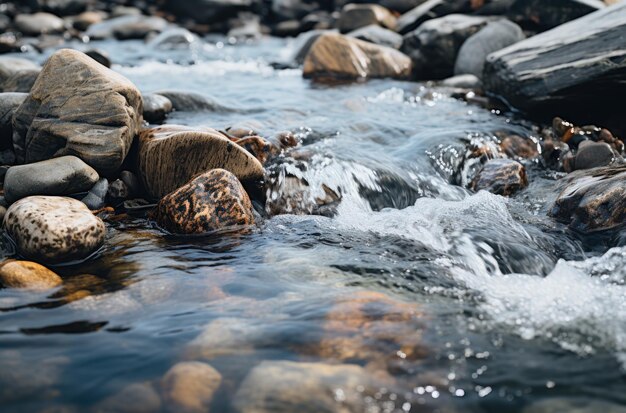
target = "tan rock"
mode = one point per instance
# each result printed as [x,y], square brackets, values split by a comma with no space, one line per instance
[501,177]
[170,156]
[54,229]
[336,56]
[26,274]
[214,200]
[188,387]
[134,398]
[78,107]
[354,16]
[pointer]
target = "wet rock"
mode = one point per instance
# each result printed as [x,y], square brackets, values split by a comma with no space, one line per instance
[119,190]
[53,229]
[378,35]
[126,27]
[592,200]
[161,150]
[88,18]
[190,101]
[100,57]
[433,47]
[515,146]
[501,177]
[100,114]
[213,201]
[9,42]
[9,102]
[355,16]
[209,11]
[286,386]
[59,176]
[95,198]
[575,69]
[342,57]
[134,398]
[65,7]
[21,82]
[463,82]
[26,274]
[188,387]
[156,107]
[258,147]
[590,155]
[401,6]
[12,65]
[39,23]
[431,9]
[174,38]
[225,337]
[304,42]
[544,15]
[493,37]
[248,29]
[573,405]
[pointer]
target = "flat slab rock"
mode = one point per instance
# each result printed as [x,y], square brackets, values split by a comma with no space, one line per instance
[342,57]
[53,229]
[78,107]
[577,68]
[171,155]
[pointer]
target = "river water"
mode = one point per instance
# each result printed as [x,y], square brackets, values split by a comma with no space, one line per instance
[495,306]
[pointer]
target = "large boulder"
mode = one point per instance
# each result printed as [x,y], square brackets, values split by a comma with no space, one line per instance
[336,56]
[493,37]
[592,200]
[577,70]
[355,16]
[286,386]
[434,46]
[59,176]
[171,155]
[431,9]
[78,107]
[212,201]
[544,15]
[53,229]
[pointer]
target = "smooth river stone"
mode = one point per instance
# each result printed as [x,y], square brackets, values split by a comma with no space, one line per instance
[501,177]
[78,107]
[28,275]
[212,201]
[59,176]
[342,57]
[189,387]
[170,156]
[54,229]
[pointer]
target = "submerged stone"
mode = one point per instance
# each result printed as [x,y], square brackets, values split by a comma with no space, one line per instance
[28,275]
[501,177]
[189,387]
[53,229]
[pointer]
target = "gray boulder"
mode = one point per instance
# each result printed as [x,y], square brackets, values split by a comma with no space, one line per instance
[9,102]
[156,107]
[9,66]
[59,176]
[378,35]
[434,46]
[127,27]
[431,9]
[491,38]
[39,23]
[543,15]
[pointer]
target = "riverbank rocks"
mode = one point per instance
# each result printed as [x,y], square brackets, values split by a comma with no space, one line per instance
[378,35]
[210,11]
[171,155]
[355,16]
[432,9]
[501,177]
[58,176]
[39,23]
[28,275]
[286,386]
[342,57]
[433,47]
[156,107]
[589,155]
[127,27]
[9,102]
[213,201]
[189,387]
[576,69]
[592,200]
[494,36]
[78,107]
[53,229]
[543,15]
[12,65]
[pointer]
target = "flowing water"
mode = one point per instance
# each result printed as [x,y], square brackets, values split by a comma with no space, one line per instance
[495,305]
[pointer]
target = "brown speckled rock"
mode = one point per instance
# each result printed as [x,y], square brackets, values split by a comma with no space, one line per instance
[210,202]
[78,107]
[501,177]
[188,387]
[336,56]
[258,147]
[53,229]
[171,155]
[592,200]
[26,274]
